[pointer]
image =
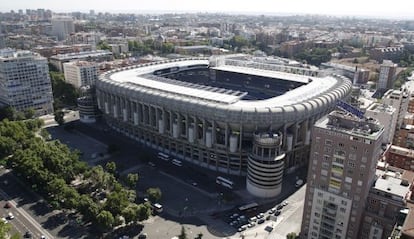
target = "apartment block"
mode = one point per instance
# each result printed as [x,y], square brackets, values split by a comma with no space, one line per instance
[25,82]
[344,154]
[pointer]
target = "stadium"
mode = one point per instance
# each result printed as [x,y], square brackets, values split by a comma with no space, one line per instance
[227,113]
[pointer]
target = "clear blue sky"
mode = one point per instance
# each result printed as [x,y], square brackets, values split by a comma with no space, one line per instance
[395,8]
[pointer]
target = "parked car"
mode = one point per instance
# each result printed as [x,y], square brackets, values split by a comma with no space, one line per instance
[7,205]
[260,221]
[10,216]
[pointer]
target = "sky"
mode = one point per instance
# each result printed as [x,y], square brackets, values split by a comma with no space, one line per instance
[373,8]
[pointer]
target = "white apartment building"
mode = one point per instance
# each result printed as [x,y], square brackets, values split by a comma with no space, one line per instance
[80,73]
[25,82]
[62,26]
[387,116]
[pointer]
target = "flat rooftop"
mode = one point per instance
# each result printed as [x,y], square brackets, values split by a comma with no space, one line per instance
[392,186]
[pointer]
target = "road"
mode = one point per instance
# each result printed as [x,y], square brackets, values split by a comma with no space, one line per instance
[22,221]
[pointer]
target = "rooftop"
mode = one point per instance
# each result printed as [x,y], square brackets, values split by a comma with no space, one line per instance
[83,54]
[348,123]
[392,185]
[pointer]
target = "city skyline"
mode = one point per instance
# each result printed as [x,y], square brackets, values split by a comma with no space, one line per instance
[398,8]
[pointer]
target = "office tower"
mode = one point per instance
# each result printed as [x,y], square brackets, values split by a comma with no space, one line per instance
[80,73]
[25,82]
[387,75]
[62,26]
[343,158]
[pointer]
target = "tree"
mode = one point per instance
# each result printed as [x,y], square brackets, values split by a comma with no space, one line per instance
[29,113]
[199,236]
[130,213]
[144,211]
[105,219]
[59,117]
[183,234]
[132,179]
[4,229]
[111,167]
[154,194]
[7,112]
[291,235]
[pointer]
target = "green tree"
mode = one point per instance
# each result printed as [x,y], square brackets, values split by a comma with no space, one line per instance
[154,194]
[132,179]
[183,234]
[111,167]
[59,117]
[4,229]
[291,235]
[102,45]
[7,112]
[105,219]
[63,92]
[130,213]
[116,201]
[29,113]
[144,211]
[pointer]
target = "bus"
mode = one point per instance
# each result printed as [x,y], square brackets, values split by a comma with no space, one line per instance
[177,162]
[163,156]
[248,207]
[224,182]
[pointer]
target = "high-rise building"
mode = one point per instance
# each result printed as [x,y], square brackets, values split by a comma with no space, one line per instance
[25,82]
[343,158]
[80,73]
[62,26]
[387,75]
[399,100]
[387,116]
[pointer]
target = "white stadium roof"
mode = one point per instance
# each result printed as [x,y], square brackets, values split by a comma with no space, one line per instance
[142,77]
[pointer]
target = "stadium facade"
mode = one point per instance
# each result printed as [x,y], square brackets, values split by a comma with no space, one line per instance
[229,114]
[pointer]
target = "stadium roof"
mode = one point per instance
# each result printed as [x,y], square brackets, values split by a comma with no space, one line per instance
[143,77]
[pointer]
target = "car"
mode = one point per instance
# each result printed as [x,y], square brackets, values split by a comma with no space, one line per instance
[42,237]
[260,221]
[28,235]
[250,225]
[242,228]
[273,210]
[4,220]
[151,164]
[10,216]
[279,207]
[285,203]
[277,213]
[260,215]
[7,205]
[253,219]
[235,215]
[143,236]
[298,183]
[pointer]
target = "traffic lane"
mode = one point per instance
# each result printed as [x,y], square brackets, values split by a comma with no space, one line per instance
[25,202]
